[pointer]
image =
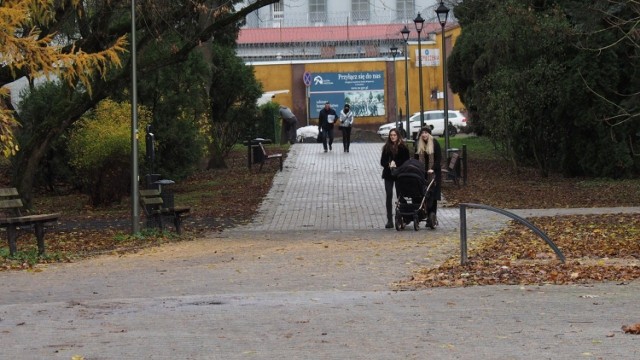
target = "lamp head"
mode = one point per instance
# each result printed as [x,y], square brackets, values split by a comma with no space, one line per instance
[419,21]
[394,51]
[405,33]
[443,12]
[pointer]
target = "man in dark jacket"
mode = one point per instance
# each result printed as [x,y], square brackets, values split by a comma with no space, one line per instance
[326,120]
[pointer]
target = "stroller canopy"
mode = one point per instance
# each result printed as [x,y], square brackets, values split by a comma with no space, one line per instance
[410,179]
[411,166]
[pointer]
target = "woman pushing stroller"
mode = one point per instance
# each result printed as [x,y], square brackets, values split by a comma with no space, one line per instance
[429,153]
[394,154]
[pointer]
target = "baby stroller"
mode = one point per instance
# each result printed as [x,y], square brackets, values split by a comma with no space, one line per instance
[415,196]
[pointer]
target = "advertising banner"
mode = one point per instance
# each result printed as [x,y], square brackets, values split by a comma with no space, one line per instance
[430,57]
[364,91]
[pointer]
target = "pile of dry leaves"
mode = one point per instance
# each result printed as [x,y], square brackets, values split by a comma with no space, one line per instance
[596,247]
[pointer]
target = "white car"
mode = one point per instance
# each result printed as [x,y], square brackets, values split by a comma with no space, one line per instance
[433,118]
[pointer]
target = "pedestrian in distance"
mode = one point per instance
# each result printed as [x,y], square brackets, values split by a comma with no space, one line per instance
[289,122]
[430,155]
[346,122]
[394,154]
[326,120]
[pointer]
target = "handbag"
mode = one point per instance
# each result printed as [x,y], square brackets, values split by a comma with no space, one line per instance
[319,139]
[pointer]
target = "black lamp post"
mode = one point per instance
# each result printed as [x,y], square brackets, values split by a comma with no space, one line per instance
[405,36]
[419,22]
[394,53]
[443,12]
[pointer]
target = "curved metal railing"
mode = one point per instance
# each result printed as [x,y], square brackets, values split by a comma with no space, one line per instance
[463,229]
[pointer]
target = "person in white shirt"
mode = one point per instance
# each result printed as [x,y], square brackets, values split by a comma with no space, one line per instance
[346,122]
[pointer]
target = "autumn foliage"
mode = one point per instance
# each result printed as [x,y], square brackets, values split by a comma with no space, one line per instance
[26,49]
[100,150]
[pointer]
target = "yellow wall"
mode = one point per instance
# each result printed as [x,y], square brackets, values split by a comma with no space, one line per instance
[280,76]
[276,77]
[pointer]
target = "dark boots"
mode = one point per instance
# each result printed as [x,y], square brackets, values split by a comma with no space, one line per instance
[389,224]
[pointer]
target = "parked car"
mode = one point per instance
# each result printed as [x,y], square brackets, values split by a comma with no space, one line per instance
[433,118]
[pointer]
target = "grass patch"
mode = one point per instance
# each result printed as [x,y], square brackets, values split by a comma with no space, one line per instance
[477,147]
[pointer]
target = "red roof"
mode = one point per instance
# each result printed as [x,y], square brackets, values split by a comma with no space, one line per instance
[330,33]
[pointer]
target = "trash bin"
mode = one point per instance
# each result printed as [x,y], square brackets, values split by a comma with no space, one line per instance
[258,156]
[254,153]
[166,192]
[450,154]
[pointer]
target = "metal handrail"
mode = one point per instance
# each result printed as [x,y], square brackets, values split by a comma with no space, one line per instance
[463,229]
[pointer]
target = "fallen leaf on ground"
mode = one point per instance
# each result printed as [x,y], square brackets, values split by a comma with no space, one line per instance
[631,329]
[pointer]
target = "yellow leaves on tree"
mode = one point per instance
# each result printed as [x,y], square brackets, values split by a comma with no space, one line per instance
[22,48]
[105,133]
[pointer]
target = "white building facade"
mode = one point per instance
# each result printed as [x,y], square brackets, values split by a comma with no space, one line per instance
[303,13]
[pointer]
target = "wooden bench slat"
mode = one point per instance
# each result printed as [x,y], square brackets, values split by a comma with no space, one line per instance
[149,192]
[7,192]
[151,200]
[29,219]
[10,204]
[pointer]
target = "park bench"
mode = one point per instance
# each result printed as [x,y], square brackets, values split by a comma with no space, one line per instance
[266,156]
[12,218]
[154,209]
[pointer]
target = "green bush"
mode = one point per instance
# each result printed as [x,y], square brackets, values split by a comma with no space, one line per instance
[268,123]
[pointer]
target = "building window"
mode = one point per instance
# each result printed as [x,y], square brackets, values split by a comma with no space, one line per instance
[405,9]
[317,10]
[360,9]
[277,10]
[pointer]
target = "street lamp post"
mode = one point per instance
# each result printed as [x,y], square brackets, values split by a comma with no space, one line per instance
[135,223]
[419,22]
[394,53]
[405,36]
[443,12]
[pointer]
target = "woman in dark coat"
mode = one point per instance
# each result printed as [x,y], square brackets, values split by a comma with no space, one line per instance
[429,153]
[394,154]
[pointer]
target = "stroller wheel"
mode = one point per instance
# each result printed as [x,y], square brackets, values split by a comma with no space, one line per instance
[416,223]
[399,224]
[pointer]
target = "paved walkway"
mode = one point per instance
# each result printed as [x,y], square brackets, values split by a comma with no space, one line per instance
[333,191]
[310,278]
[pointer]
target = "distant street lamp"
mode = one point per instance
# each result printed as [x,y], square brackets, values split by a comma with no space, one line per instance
[394,53]
[443,12]
[405,36]
[419,22]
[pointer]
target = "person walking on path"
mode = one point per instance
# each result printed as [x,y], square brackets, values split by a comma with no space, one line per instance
[326,121]
[394,154]
[346,121]
[429,153]
[289,122]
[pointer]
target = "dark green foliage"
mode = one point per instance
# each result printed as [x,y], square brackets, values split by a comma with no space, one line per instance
[177,97]
[268,122]
[542,81]
[37,116]
[232,100]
